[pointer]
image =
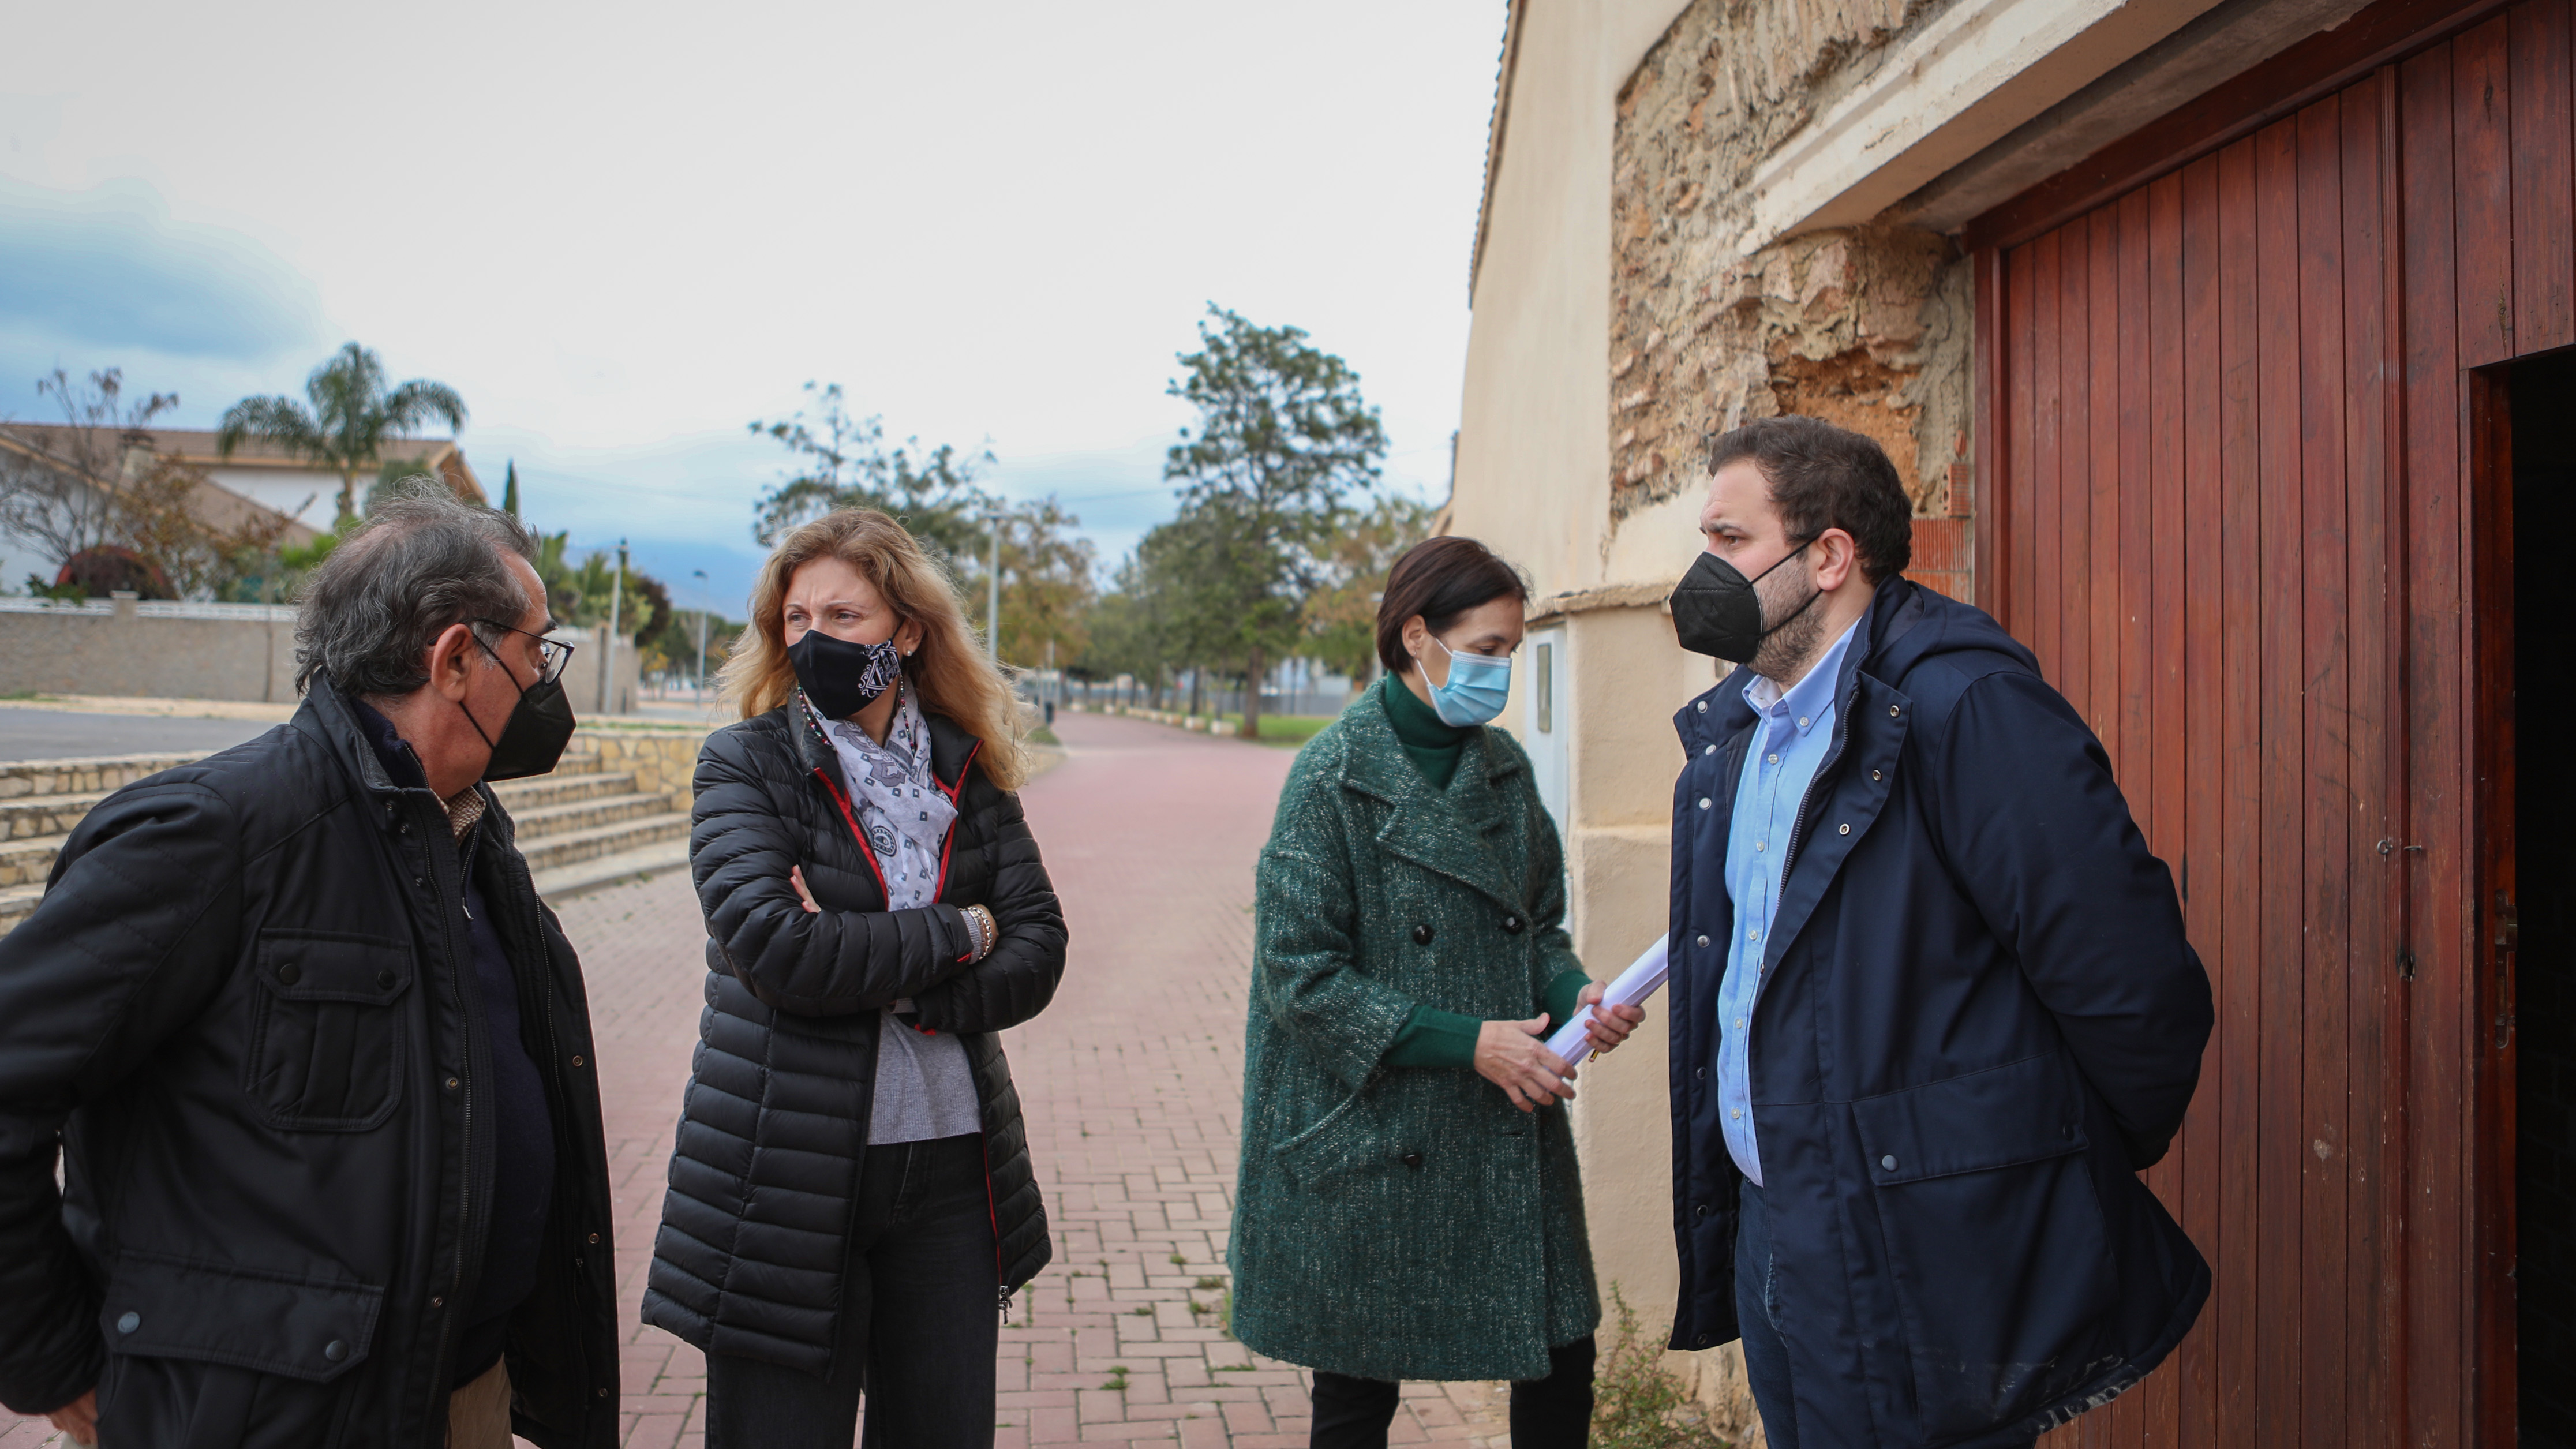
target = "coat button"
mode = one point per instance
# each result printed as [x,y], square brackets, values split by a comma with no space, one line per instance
[440,1302]
[1888,1162]
[1703,941]
[1422,935]
[1891,711]
[453,1084]
[2068,1133]
[1703,802]
[1701,1210]
[1708,749]
[594,1237]
[1413,1159]
[1512,924]
[1701,1073]
[335,1350]
[289,973]
[1846,829]
[576,1061]
[129,1321]
[1703,706]
[1702,1341]
[1873,774]
[385,980]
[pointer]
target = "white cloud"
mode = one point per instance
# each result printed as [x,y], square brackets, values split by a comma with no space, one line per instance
[623,232]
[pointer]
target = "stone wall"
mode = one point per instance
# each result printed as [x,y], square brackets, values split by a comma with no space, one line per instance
[1866,327]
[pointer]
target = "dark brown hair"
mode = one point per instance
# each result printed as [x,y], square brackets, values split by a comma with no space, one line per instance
[1824,477]
[1440,579]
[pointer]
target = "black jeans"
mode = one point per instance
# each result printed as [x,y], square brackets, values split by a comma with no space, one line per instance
[1550,1413]
[920,1319]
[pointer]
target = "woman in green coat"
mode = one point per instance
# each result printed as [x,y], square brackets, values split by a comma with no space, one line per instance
[1408,1205]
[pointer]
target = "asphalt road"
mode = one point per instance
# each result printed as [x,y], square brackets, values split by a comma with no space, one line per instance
[52,734]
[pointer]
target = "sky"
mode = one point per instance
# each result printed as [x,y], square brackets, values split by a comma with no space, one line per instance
[624,232]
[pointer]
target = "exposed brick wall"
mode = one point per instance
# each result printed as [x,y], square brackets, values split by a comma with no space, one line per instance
[1864,327]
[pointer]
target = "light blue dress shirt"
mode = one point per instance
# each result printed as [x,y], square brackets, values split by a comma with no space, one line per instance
[1791,733]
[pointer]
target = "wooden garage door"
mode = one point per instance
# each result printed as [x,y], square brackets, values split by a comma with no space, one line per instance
[2233,420]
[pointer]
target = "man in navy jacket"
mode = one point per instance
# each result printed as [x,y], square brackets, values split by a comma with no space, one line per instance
[1932,1005]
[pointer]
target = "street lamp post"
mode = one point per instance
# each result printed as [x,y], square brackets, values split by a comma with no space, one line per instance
[993,595]
[700,688]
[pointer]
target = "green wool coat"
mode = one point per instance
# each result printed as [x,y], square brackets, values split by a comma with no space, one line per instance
[1403,1222]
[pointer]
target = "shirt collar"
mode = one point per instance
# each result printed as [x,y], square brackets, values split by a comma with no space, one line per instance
[1805,704]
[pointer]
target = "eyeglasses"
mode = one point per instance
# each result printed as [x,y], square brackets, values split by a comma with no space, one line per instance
[552,654]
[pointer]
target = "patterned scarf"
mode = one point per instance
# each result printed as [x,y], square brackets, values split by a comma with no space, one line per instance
[901,807]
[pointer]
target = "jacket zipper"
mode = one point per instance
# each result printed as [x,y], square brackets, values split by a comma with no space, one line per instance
[452,1329]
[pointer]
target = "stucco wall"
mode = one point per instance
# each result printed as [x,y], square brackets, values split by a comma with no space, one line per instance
[244,652]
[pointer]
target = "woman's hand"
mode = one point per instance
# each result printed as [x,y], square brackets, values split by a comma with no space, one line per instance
[1608,1025]
[1511,1055]
[796,878]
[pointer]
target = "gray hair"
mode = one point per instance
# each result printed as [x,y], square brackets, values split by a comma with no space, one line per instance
[423,562]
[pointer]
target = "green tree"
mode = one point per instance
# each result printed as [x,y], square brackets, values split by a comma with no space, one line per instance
[1283,438]
[842,462]
[510,490]
[352,417]
[1341,612]
[1047,585]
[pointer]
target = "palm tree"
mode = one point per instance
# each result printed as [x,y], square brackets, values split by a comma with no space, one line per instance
[352,417]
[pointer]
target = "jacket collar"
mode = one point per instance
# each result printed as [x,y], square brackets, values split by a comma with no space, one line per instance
[1439,831]
[327,716]
[952,746]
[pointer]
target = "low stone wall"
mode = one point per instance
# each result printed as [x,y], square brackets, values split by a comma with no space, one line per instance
[663,760]
[134,648]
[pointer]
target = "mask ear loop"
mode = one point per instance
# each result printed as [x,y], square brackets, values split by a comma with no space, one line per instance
[488,742]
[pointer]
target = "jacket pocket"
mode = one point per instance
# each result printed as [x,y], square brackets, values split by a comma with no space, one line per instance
[1995,1241]
[273,1323]
[1342,1143]
[326,1048]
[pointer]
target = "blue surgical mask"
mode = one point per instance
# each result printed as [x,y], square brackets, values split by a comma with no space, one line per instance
[1478,685]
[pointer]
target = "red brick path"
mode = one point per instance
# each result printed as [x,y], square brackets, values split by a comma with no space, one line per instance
[1132,1083]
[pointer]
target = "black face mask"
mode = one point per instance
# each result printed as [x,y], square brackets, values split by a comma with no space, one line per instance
[1716,612]
[842,678]
[539,727]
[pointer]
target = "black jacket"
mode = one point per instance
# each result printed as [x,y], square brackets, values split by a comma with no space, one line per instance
[765,1174]
[1978,1020]
[246,1009]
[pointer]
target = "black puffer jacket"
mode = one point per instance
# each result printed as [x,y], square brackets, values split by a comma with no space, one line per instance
[247,1011]
[764,1177]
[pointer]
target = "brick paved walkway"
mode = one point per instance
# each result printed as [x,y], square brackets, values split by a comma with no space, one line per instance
[1131,1081]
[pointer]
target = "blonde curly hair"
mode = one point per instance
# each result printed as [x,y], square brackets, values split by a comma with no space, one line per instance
[953,674]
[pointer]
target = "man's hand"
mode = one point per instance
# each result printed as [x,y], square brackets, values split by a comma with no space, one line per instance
[79,1418]
[1511,1055]
[1608,1025]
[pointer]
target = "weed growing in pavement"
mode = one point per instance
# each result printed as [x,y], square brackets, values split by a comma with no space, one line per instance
[1637,1403]
[1179,1261]
[1143,1310]
[1208,1285]
[1117,1378]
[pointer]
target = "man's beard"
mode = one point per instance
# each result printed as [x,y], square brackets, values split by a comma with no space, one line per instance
[1791,646]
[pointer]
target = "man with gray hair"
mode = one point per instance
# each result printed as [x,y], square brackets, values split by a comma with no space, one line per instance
[315,1058]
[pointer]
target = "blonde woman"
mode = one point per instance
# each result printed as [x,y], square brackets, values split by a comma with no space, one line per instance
[851,1202]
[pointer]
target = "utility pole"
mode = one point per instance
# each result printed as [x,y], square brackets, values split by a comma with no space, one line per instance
[993,597]
[700,688]
[608,656]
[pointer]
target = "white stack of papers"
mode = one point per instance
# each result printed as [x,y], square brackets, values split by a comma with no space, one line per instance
[1642,979]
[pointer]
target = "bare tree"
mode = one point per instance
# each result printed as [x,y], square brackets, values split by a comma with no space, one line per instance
[60,487]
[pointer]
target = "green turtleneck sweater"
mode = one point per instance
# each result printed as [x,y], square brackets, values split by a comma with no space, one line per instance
[1431,1037]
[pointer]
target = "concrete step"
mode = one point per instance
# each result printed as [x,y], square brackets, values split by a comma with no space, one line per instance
[17,902]
[575,846]
[579,815]
[27,862]
[519,797]
[30,816]
[89,775]
[575,877]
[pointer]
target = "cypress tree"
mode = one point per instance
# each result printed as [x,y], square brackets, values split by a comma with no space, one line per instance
[510,490]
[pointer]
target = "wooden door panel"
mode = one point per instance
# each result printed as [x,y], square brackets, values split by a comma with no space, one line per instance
[2238,429]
